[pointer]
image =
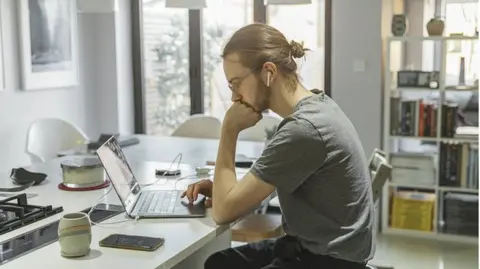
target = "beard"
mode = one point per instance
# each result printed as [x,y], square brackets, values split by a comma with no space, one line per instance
[262,97]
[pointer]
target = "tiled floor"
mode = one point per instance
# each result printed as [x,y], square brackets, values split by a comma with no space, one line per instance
[408,253]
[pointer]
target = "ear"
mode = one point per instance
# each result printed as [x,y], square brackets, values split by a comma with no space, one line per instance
[269,73]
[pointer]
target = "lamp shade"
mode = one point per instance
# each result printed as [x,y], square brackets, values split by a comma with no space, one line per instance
[287,2]
[97,6]
[190,4]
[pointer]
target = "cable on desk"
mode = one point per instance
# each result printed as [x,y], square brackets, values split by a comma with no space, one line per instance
[179,157]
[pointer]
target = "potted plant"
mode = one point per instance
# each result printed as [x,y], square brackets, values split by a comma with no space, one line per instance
[435,26]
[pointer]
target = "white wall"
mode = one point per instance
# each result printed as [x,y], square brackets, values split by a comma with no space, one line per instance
[356,36]
[18,109]
[109,90]
[125,107]
[103,102]
[419,55]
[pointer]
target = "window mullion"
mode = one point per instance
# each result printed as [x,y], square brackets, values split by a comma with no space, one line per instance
[195,33]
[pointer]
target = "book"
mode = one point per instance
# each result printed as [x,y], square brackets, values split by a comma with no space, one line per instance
[458,165]
[449,119]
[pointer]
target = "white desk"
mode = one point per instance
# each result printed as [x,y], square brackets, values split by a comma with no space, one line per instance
[188,241]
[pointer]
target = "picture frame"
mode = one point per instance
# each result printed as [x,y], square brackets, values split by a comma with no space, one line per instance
[2,64]
[48,44]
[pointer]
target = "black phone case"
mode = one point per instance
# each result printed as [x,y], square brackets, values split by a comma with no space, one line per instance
[134,243]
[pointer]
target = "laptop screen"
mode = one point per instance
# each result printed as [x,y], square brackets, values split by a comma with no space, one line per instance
[119,171]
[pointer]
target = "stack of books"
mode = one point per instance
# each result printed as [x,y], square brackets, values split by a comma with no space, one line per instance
[458,165]
[413,118]
[461,214]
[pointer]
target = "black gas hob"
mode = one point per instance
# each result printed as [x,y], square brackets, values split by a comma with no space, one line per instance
[15,213]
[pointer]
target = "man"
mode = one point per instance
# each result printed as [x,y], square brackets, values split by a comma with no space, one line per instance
[315,161]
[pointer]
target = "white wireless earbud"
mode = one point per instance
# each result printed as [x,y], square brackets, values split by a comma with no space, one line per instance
[268,79]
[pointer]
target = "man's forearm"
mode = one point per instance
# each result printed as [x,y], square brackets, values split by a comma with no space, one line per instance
[224,178]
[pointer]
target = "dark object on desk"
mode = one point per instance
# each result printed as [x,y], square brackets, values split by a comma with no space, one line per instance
[167,173]
[132,242]
[21,176]
[241,161]
[32,240]
[123,141]
[243,164]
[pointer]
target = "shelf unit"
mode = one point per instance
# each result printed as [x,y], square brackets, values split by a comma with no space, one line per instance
[389,139]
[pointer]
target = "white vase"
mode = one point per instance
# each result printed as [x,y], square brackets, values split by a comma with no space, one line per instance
[75,235]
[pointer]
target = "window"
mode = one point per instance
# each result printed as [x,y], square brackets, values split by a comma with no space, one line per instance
[303,23]
[166,68]
[220,20]
[177,66]
[462,18]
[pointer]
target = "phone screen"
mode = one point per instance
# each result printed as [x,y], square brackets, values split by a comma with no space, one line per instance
[133,242]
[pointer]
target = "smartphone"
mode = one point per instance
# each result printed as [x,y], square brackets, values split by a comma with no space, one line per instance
[132,242]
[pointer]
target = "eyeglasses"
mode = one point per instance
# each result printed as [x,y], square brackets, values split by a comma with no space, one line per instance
[236,84]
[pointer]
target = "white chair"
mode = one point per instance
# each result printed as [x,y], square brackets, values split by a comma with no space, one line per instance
[199,126]
[257,132]
[46,137]
[380,172]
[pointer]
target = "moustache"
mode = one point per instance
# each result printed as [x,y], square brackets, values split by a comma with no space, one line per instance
[248,105]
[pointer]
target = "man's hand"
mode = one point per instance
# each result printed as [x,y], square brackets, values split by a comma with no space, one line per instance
[203,187]
[240,116]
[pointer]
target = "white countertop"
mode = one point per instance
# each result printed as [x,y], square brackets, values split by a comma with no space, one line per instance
[182,236]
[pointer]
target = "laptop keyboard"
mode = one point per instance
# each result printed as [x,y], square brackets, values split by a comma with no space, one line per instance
[158,202]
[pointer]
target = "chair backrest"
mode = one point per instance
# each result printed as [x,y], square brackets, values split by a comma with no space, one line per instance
[199,126]
[46,137]
[257,132]
[380,171]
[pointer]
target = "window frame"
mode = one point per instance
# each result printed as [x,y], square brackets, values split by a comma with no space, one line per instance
[195,44]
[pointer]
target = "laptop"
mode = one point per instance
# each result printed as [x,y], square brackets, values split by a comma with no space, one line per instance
[140,203]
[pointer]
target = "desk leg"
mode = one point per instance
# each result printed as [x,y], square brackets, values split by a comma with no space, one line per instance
[196,260]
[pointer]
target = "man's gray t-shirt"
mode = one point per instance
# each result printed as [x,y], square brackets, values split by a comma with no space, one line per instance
[318,165]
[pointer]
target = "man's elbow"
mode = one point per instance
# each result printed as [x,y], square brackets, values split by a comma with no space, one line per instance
[222,215]
[220,220]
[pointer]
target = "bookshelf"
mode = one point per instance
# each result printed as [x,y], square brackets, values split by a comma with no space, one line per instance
[448,163]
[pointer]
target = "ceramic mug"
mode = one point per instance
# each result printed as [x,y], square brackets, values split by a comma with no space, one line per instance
[74,235]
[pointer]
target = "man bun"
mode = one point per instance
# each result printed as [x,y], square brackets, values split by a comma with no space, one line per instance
[297,49]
